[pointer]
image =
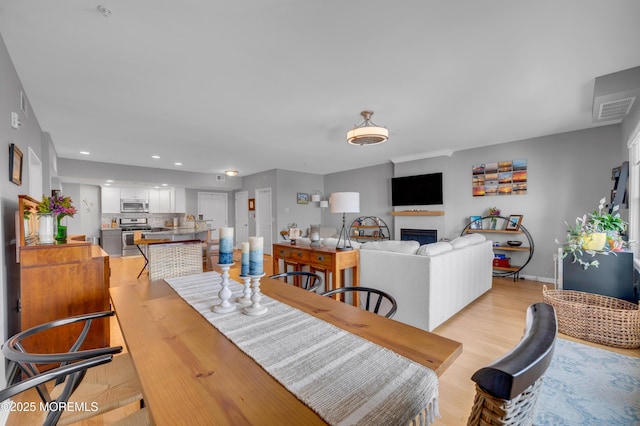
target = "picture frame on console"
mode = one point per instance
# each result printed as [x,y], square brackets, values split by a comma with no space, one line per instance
[513,224]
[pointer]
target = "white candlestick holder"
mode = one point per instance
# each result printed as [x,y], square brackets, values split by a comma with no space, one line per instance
[256,308]
[224,294]
[245,299]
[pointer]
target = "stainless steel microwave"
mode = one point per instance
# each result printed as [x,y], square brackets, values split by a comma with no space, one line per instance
[134,206]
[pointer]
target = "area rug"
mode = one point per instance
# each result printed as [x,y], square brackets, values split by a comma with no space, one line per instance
[589,386]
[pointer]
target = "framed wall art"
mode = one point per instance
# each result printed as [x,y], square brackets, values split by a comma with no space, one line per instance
[15,164]
[303,198]
[252,204]
[499,178]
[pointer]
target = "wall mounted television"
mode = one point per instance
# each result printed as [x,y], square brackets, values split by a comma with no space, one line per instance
[417,190]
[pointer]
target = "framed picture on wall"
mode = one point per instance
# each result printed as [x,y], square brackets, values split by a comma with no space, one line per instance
[15,164]
[252,204]
[475,222]
[303,198]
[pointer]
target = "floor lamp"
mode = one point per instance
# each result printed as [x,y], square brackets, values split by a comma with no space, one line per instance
[344,202]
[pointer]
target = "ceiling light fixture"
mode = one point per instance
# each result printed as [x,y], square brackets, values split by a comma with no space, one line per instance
[155,157]
[367,133]
[106,12]
[231,172]
[178,164]
[85,152]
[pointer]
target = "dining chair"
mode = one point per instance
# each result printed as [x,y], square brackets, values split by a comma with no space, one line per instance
[210,247]
[508,388]
[307,280]
[371,299]
[174,259]
[97,380]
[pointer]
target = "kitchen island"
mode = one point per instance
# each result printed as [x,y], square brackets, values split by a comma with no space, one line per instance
[176,234]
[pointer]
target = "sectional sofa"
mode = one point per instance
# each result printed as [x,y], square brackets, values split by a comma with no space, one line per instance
[432,282]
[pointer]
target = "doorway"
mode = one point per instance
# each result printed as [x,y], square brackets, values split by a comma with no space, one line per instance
[213,208]
[263,218]
[242,218]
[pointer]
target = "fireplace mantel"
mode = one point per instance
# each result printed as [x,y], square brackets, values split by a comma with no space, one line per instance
[418,213]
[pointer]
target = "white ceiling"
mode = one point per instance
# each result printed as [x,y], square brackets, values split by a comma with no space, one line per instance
[257,85]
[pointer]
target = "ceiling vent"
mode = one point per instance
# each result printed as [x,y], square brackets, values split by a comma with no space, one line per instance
[614,95]
[220,178]
[615,109]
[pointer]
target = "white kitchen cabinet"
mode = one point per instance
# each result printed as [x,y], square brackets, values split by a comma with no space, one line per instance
[180,198]
[110,199]
[161,200]
[134,193]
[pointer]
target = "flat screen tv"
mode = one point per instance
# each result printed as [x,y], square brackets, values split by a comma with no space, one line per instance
[419,190]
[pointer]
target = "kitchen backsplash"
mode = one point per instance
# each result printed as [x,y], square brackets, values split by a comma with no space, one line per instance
[156,220]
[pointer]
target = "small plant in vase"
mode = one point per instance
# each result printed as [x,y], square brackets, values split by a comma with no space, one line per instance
[60,207]
[494,212]
[598,232]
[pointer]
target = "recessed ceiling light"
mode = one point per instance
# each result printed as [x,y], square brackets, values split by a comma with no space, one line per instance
[155,156]
[178,164]
[164,184]
[231,172]
[109,180]
[107,184]
[85,152]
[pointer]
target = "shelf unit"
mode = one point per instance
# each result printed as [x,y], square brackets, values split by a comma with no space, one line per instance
[504,271]
[369,228]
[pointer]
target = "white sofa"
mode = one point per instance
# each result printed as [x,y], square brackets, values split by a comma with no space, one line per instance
[431,283]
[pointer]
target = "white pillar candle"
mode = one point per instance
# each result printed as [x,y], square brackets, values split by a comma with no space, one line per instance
[244,270]
[226,246]
[256,255]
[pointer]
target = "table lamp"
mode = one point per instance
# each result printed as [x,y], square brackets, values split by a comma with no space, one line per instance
[344,202]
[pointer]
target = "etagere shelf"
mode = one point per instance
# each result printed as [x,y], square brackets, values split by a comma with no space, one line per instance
[502,246]
[369,228]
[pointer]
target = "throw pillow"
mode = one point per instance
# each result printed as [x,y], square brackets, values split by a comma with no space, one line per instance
[475,238]
[406,247]
[460,242]
[434,249]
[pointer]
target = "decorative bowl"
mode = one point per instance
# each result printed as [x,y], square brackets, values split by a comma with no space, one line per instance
[514,243]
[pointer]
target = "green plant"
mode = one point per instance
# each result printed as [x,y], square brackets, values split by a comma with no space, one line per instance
[579,233]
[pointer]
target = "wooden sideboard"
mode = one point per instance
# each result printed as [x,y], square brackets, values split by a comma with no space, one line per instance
[57,281]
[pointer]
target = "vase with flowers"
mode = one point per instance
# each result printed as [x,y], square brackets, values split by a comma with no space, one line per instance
[596,233]
[58,207]
[494,212]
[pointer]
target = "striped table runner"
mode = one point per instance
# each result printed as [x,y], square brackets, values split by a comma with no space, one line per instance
[344,378]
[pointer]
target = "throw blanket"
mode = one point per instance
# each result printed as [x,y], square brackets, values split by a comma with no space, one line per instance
[344,378]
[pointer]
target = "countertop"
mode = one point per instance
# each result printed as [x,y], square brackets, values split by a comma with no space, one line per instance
[174,231]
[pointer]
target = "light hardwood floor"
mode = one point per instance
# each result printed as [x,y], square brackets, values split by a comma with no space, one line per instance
[488,328]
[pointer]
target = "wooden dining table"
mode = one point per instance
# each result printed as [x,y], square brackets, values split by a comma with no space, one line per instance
[189,371]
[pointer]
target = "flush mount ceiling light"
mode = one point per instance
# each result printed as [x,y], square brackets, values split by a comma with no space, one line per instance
[231,172]
[367,133]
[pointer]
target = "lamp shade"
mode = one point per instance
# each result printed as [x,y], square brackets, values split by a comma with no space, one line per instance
[345,202]
[315,198]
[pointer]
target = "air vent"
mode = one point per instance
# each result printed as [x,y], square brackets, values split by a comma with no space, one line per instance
[220,178]
[615,109]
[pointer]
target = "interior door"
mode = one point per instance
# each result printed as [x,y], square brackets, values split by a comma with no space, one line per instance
[213,207]
[264,218]
[242,217]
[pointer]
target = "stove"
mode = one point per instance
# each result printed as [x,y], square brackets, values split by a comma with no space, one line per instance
[129,226]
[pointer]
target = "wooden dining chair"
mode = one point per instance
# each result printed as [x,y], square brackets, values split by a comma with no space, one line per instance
[96,379]
[306,280]
[371,299]
[508,388]
[174,259]
[210,248]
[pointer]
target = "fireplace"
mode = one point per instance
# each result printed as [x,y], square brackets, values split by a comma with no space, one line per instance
[423,236]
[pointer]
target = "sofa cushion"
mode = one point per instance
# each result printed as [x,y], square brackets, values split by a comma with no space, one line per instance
[475,238]
[460,242]
[406,247]
[435,249]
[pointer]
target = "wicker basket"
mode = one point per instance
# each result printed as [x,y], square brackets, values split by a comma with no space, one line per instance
[595,318]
